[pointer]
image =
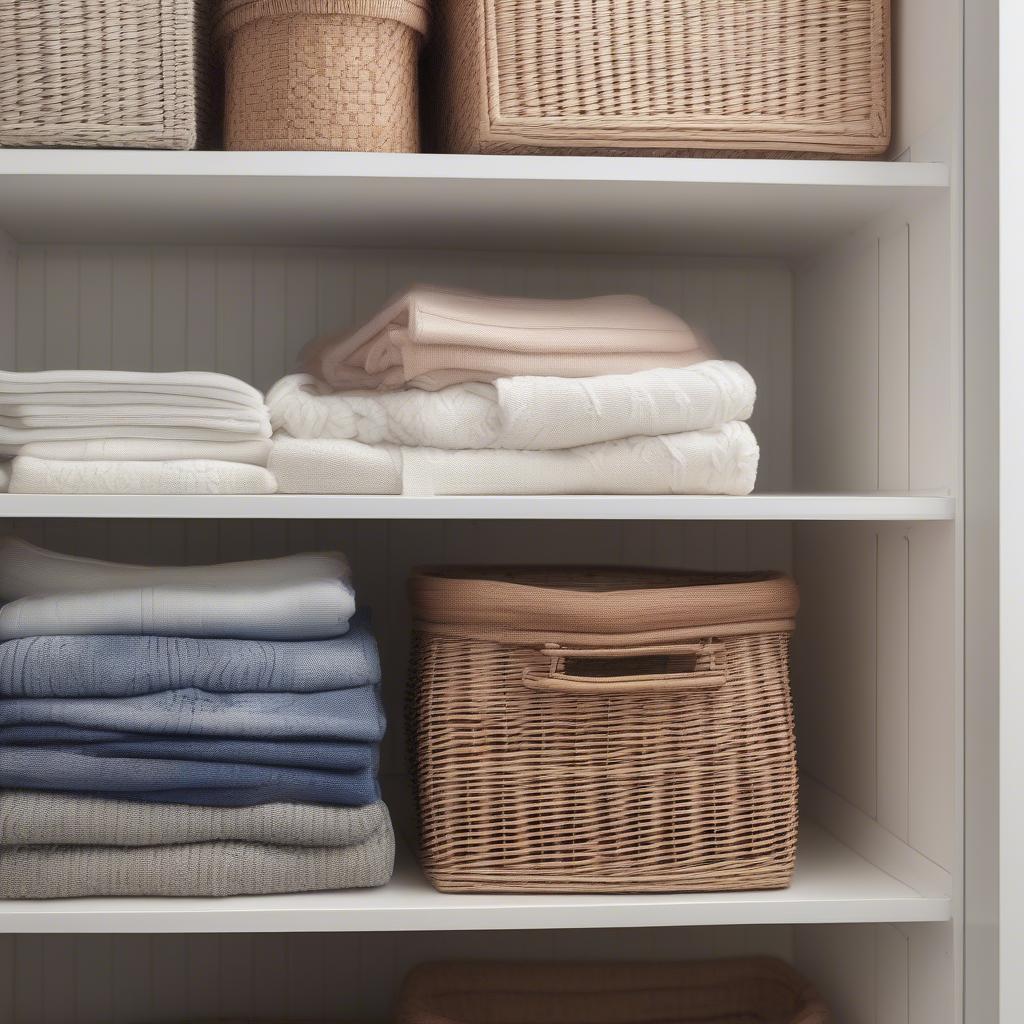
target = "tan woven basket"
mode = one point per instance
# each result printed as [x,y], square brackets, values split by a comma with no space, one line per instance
[336,75]
[96,73]
[603,730]
[662,77]
[748,991]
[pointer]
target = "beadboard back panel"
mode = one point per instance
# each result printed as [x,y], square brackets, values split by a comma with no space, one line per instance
[869,974]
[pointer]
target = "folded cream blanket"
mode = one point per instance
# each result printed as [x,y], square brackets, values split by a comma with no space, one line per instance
[519,413]
[30,571]
[86,405]
[290,611]
[193,869]
[133,449]
[45,384]
[30,818]
[432,337]
[188,476]
[718,461]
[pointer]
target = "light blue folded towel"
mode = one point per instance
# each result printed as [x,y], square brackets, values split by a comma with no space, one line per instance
[128,666]
[354,715]
[182,782]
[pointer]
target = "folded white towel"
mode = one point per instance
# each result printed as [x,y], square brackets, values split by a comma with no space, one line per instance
[12,441]
[293,611]
[30,571]
[133,449]
[249,421]
[199,384]
[519,413]
[722,460]
[188,476]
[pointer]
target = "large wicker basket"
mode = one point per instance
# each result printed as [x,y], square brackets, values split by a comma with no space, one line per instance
[95,73]
[662,77]
[748,991]
[603,730]
[335,75]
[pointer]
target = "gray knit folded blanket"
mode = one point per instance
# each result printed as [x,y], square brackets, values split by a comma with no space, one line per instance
[192,869]
[194,866]
[29,818]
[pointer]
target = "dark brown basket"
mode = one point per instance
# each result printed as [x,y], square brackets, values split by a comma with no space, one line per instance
[747,991]
[603,730]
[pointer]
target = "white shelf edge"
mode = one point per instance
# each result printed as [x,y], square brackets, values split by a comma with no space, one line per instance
[778,507]
[799,173]
[832,885]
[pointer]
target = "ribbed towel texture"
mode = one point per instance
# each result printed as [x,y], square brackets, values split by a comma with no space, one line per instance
[112,432]
[187,731]
[128,666]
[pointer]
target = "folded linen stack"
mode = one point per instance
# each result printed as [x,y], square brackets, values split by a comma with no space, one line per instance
[454,393]
[201,731]
[122,432]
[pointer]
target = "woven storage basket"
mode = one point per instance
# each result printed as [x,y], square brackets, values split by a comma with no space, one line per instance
[96,73]
[335,75]
[662,77]
[603,730]
[749,991]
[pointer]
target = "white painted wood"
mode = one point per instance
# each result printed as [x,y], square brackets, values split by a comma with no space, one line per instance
[777,507]
[832,884]
[533,203]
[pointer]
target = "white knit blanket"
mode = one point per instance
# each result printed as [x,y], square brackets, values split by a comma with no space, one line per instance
[30,571]
[722,460]
[519,413]
[186,476]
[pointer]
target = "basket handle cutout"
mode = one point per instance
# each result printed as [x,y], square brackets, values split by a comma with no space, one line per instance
[608,671]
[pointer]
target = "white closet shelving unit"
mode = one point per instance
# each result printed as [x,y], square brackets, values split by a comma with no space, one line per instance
[840,285]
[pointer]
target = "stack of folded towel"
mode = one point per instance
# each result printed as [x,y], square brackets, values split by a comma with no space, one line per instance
[197,731]
[454,393]
[121,432]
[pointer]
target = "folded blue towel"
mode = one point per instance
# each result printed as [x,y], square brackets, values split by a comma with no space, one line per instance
[316,754]
[182,782]
[354,714]
[129,666]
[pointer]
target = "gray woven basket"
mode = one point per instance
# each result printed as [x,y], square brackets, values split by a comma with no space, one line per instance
[95,73]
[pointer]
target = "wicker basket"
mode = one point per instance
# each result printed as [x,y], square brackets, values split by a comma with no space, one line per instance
[749,991]
[662,77]
[336,75]
[95,73]
[603,730]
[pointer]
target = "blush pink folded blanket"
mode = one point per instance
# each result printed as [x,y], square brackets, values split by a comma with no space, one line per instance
[431,338]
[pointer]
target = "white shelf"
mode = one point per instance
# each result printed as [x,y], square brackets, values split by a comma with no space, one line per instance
[831,885]
[428,201]
[780,507]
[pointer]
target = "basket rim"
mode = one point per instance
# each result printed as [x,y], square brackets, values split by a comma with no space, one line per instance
[489,596]
[233,15]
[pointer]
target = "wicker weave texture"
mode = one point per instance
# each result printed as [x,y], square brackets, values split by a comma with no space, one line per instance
[95,73]
[662,77]
[741,991]
[575,760]
[306,75]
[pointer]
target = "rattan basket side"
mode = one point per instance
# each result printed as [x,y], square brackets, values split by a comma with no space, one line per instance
[757,990]
[93,73]
[569,761]
[662,77]
[336,75]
